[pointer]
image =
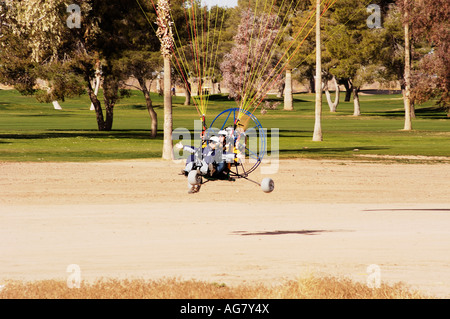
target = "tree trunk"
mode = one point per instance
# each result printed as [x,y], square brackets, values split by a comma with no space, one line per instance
[312,84]
[413,110]
[407,95]
[280,91]
[55,104]
[97,84]
[333,105]
[168,122]
[159,87]
[109,110]
[348,90]
[97,107]
[356,104]
[150,109]
[187,94]
[317,137]
[288,105]
[199,87]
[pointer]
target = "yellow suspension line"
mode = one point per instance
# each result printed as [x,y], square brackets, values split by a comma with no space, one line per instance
[263,66]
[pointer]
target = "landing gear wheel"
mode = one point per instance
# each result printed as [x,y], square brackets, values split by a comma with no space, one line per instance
[267,185]
[194,178]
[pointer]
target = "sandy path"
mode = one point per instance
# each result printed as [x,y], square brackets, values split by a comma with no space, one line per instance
[134,219]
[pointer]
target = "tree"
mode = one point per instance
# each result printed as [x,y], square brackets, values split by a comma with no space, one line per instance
[165,35]
[39,23]
[249,70]
[329,62]
[181,78]
[67,59]
[16,67]
[317,135]
[33,48]
[282,45]
[353,47]
[202,38]
[304,59]
[142,60]
[425,25]
[391,53]
[430,23]
[288,98]
[407,95]
[103,36]
[332,104]
[143,66]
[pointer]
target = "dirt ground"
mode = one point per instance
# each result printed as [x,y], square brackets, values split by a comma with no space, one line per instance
[134,219]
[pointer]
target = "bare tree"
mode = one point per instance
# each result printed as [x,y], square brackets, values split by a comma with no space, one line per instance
[332,104]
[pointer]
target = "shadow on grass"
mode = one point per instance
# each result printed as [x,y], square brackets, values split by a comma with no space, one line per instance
[132,107]
[294,133]
[332,150]
[295,100]
[48,115]
[219,98]
[115,134]
[225,98]
[435,113]
[142,107]
[381,92]
[5,105]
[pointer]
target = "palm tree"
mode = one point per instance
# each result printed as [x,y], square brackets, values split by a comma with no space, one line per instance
[165,35]
[317,137]
[407,97]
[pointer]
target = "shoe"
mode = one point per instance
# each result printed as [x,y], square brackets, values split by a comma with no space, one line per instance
[194,189]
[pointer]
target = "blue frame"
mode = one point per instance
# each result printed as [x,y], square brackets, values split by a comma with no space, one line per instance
[261,135]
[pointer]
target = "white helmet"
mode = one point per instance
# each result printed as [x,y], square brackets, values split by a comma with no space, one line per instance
[223,132]
[214,139]
[229,131]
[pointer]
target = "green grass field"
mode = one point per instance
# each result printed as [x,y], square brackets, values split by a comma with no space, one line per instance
[31,131]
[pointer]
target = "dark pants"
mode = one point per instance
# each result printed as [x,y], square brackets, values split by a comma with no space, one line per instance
[221,167]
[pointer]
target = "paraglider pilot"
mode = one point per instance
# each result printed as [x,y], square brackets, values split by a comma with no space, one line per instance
[202,157]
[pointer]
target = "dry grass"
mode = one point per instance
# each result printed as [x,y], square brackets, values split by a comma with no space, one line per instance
[305,288]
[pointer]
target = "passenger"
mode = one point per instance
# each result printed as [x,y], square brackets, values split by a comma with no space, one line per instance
[209,155]
[191,159]
[201,157]
[234,149]
[221,152]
